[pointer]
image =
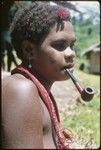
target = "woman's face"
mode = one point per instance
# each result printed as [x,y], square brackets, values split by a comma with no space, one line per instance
[56,53]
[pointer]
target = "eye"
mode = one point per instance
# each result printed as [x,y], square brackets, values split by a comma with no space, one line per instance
[60,46]
[72,46]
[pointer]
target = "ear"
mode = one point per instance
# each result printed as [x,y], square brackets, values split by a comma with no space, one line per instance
[28,49]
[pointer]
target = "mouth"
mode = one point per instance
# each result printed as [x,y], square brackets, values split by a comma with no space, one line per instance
[70,66]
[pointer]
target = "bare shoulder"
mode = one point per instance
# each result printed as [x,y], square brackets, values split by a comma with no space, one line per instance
[22,113]
[19,87]
[20,90]
[18,83]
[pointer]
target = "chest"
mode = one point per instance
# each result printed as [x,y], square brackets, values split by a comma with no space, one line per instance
[49,136]
[47,123]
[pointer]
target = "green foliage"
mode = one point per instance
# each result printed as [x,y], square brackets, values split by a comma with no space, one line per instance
[84,119]
[88,79]
[84,38]
[84,122]
[87,34]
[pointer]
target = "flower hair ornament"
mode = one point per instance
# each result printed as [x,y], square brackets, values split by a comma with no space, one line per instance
[63,14]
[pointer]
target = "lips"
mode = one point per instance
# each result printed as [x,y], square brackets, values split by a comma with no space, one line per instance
[68,66]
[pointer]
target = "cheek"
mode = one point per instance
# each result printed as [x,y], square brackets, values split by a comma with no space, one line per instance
[51,57]
[54,63]
[51,60]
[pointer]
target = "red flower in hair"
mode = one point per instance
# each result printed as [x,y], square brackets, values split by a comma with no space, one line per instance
[62,13]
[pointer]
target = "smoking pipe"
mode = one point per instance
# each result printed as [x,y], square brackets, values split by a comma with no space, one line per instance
[86,93]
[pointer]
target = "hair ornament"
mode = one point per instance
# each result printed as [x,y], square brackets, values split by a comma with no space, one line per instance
[62,13]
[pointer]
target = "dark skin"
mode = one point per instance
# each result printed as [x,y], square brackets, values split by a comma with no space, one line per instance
[26,120]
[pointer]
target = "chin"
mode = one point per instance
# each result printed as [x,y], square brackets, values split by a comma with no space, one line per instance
[64,76]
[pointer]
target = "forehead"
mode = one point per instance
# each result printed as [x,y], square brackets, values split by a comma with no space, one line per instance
[67,33]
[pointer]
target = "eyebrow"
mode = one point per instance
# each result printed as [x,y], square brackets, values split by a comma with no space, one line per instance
[63,40]
[59,40]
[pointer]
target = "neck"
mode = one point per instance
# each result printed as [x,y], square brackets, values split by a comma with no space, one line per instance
[45,82]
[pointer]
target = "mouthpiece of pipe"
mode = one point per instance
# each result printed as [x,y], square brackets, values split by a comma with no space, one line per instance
[86,93]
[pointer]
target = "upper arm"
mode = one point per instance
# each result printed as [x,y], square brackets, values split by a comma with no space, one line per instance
[21,116]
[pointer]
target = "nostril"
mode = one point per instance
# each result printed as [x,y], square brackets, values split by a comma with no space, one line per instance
[71,60]
[70,57]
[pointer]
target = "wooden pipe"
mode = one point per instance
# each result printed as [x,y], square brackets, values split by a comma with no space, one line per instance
[86,93]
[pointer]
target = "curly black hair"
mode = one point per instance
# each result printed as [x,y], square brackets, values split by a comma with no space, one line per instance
[33,22]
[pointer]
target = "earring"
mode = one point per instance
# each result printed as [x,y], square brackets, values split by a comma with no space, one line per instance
[29,64]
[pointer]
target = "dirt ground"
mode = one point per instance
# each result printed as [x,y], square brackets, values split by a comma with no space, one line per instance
[66,95]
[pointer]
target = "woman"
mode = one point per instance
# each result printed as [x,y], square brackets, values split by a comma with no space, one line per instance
[43,37]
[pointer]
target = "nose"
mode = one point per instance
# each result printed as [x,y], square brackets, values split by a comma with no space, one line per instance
[69,54]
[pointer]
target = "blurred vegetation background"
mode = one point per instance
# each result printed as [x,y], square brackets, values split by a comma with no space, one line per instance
[84,120]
